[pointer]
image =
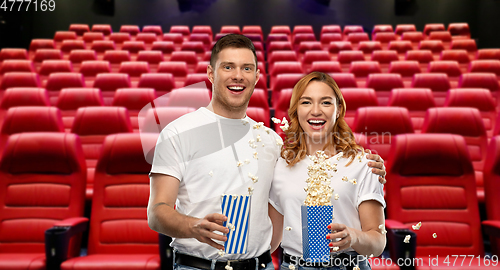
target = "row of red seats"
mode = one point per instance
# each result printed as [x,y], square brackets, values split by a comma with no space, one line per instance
[426,167]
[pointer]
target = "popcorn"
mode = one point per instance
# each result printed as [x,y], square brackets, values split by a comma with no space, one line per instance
[258,138]
[382,228]
[416,227]
[360,158]
[291,266]
[284,121]
[356,267]
[255,155]
[318,190]
[250,190]
[251,141]
[228,267]
[247,161]
[276,120]
[288,228]
[239,164]
[407,239]
[211,173]
[245,122]
[268,131]
[335,248]
[434,235]
[221,252]
[345,179]
[371,255]
[258,125]
[279,142]
[230,226]
[353,181]
[263,265]
[254,178]
[285,127]
[336,197]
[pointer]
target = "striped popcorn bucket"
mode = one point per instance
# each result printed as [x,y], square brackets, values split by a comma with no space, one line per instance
[237,210]
[315,220]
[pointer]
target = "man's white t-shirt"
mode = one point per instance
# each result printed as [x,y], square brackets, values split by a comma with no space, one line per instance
[212,155]
[287,195]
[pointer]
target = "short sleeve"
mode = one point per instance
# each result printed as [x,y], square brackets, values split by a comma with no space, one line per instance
[370,188]
[168,155]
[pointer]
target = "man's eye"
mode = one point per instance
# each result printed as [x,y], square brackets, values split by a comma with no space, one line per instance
[227,67]
[248,69]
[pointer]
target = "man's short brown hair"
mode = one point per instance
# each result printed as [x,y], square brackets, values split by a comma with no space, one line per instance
[231,41]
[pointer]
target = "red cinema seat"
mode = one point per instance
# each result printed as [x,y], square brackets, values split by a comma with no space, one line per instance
[281,109]
[367,47]
[459,30]
[194,46]
[155,29]
[384,58]
[427,168]
[465,44]
[79,29]
[496,131]
[451,68]
[58,81]
[491,187]
[90,37]
[403,28]
[135,100]
[283,81]
[332,28]
[262,83]
[157,119]
[306,46]
[202,29]
[378,28]
[283,55]
[101,46]
[416,100]
[119,233]
[336,47]
[491,54]
[439,83]
[301,37]
[353,29]
[481,80]
[361,69]
[185,56]
[20,119]
[380,125]
[129,29]
[115,58]
[356,98]
[422,56]
[255,38]
[16,66]
[134,68]
[71,99]
[176,68]
[413,37]
[41,44]
[78,56]
[181,29]
[284,67]
[34,168]
[406,69]
[435,46]
[133,46]
[299,29]
[281,29]
[383,83]
[444,36]
[432,27]
[92,68]
[166,47]
[153,58]
[467,122]
[344,80]
[313,56]
[479,66]
[24,96]
[252,29]
[325,67]
[47,54]
[259,99]
[456,55]
[69,45]
[201,67]
[109,82]
[176,38]
[189,97]
[478,98]
[346,57]
[205,38]
[20,79]
[326,38]
[385,38]
[400,46]
[259,115]
[103,28]
[11,54]
[93,124]
[119,39]
[230,29]
[194,78]
[357,37]
[147,38]
[51,66]
[279,46]
[162,83]
[60,36]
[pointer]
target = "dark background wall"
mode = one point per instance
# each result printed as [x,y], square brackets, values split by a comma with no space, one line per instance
[18,28]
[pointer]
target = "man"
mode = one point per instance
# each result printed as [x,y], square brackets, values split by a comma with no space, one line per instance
[214,151]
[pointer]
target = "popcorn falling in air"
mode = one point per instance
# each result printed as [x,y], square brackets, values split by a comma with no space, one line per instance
[353,181]
[356,268]
[416,227]
[288,228]
[228,267]
[263,265]
[407,239]
[276,120]
[255,155]
[335,248]
[254,178]
[336,197]
[345,179]
[285,127]
[279,142]
[382,228]
[318,187]
[239,164]
[291,266]
[211,173]
[221,252]
[258,138]
[250,190]
[258,125]
[434,235]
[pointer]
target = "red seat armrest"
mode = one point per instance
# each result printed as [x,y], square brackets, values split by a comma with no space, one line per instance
[396,233]
[492,227]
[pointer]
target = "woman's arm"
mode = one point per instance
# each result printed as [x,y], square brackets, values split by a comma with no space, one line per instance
[277,220]
[370,239]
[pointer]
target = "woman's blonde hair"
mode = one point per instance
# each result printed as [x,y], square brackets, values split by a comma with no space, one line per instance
[342,137]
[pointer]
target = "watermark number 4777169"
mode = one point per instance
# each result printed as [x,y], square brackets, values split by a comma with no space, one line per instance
[25,5]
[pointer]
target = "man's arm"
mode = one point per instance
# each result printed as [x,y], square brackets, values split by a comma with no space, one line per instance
[277,221]
[377,165]
[163,218]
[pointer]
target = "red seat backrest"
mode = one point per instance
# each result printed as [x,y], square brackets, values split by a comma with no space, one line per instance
[189,97]
[479,80]
[384,81]
[129,29]
[11,54]
[20,119]
[116,57]
[119,38]
[344,80]
[384,56]
[79,29]
[52,66]
[402,28]
[16,66]
[92,68]
[184,56]
[45,54]
[432,27]
[60,80]
[450,68]
[20,79]
[111,81]
[133,98]
[156,119]
[438,82]
[156,29]
[404,68]
[103,28]
[492,66]
[460,56]
[364,68]
[25,96]
[160,82]
[134,68]
[74,98]
[78,56]
[406,97]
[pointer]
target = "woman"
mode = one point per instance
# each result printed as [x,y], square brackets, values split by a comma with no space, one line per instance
[316,112]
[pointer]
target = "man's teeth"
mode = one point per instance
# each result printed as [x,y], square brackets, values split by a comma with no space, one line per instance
[316,122]
[236,88]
